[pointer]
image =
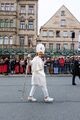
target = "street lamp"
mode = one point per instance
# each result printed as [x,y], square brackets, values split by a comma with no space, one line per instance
[73,36]
[79,42]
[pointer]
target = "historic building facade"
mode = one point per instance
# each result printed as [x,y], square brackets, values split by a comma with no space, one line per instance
[56,33]
[18,23]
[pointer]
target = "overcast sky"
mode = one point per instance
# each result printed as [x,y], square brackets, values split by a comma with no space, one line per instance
[47,8]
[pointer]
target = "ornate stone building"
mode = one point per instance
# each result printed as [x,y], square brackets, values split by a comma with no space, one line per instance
[56,33]
[18,23]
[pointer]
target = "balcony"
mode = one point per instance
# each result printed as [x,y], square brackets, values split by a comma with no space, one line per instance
[8,13]
[8,29]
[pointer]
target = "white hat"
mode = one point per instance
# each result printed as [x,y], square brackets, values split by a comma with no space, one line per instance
[40,48]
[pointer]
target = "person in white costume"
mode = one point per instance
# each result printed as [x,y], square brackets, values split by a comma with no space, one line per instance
[38,75]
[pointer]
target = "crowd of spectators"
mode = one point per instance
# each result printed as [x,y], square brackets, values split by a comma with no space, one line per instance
[55,65]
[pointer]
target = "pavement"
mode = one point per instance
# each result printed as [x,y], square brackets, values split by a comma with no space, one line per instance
[66,105]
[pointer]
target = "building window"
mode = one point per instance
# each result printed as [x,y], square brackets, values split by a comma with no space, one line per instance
[57,46]
[7,7]
[65,46]
[10,40]
[63,23]
[22,24]
[44,33]
[50,46]
[70,34]
[1,23]
[30,41]
[62,13]
[6,40]
[1,40]
[30,9]
[2,6]
[21,41]
[65,34]
[12,7]
[31,25]
[50,33]
[11,23]
[57,33]
[7,23]
[72,46]
[22,9]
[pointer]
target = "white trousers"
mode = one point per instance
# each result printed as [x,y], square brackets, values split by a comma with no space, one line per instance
[44,89]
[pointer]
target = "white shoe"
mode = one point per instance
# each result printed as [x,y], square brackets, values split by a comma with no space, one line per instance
[32,99]
[48,99]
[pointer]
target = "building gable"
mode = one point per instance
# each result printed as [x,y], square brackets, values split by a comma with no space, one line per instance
[62,18]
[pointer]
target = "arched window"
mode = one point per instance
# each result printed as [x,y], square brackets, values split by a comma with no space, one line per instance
[10,40]
[1,40]
[1,23]
[11,23]
[7,23]
[6,40]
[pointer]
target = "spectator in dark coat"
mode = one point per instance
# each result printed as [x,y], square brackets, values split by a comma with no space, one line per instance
[76,70]
[12,65]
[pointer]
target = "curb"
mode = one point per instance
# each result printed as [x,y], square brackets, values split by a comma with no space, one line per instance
[50,75]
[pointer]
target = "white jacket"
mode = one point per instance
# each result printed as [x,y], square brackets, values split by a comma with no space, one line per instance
[38,75]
